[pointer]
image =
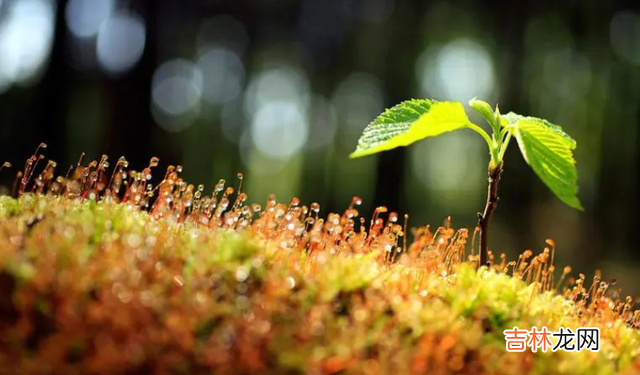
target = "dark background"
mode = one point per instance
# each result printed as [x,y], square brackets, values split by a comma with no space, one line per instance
[281,90]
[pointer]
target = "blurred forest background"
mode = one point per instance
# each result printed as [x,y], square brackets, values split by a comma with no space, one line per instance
[281,90]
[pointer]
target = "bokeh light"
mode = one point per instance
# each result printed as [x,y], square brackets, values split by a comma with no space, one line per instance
[26,36]
[276,106]
[277,101]
[323,123]
[450,167]
[625,36]
[223,74]
[279,129]
[176,90]
[282,82]
[459,70]
[84,17]
[358,100]
[120,44]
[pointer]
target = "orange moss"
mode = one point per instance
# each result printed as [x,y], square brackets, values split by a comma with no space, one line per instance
[104,273]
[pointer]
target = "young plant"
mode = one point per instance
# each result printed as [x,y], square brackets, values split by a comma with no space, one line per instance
[544,146]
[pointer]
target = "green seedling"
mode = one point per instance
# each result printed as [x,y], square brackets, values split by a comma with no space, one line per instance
[544,146]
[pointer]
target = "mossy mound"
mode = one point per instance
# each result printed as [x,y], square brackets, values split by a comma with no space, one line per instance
[92,287]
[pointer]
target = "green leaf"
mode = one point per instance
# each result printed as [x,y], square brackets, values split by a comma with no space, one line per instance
[511,118]
[484,109]
[548,150]
[409,122]
[514,118]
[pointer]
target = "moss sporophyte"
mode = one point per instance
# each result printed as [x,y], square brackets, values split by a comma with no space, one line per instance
[102,272]
[544,146]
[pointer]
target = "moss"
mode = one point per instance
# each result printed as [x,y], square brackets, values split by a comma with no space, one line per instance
[102,287]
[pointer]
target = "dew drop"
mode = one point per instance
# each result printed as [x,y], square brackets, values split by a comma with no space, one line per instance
[356,201]
[242,273]
[291,282]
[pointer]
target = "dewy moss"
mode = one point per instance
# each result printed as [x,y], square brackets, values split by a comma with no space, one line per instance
[102,273]
[544,146]
[101,287]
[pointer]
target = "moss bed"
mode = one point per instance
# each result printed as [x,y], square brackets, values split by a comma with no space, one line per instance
[96,286]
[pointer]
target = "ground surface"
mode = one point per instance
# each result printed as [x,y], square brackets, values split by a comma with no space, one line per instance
[100,287]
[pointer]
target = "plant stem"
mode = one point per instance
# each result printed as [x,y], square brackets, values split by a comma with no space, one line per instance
[484,135]
[505,144]
[484,218]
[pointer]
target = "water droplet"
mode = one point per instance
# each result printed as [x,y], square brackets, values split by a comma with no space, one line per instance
[290,282]
[356,201]
[242,273]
